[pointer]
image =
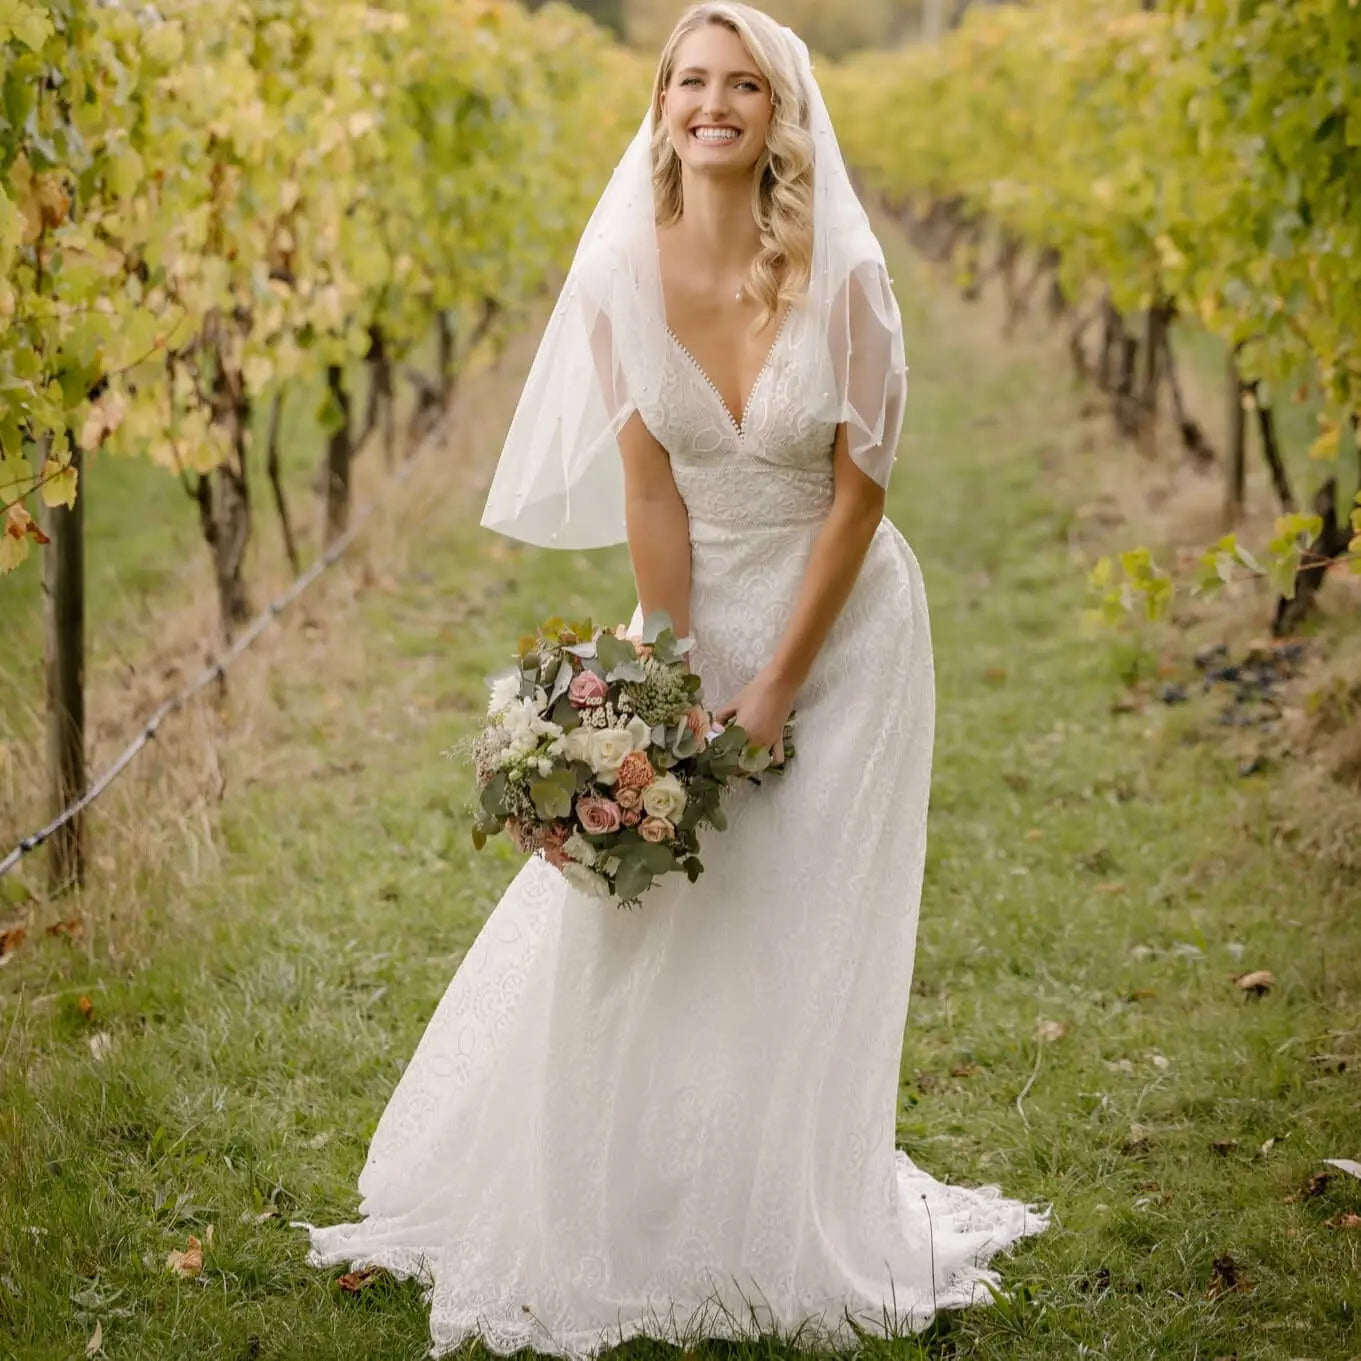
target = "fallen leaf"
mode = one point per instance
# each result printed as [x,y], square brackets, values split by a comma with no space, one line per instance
[248,1218]
[964,1070]
[1224,1146]
[1258,982]
[995,675]
[1348,1219]
[187,1263]
[1315,1186]
[1224,1277]
[1115,886]
[352,1282]
[71,928]
[1049,1031]
[1034,834]
[86,1008]
[1140,995]
[1347,1165]
[1137,1141]
[96,1339]
[1266,1147]
[11,938]
[100,1043]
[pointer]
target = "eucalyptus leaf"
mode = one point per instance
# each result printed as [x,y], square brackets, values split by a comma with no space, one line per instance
[658,622]
[658,859]
[551,800]
[614,652]
[754,759]
[626,671]
[633,879]
[493,796]
[561,680]
[718,819]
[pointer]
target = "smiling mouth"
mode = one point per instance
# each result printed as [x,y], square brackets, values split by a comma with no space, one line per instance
[715,136]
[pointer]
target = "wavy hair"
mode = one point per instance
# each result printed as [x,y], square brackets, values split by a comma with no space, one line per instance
[782,181]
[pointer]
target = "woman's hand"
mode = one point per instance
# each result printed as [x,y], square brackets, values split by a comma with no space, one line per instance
[762,707]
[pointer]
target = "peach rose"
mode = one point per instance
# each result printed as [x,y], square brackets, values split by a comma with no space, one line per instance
[630,800]
[635,772]
[656,829]
[551,845]
[632,817]
[598,815]
[699,723]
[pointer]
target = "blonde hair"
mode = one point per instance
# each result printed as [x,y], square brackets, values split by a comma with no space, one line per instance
[782,182]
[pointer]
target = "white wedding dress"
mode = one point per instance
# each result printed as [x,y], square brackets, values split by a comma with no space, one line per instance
[680,1120]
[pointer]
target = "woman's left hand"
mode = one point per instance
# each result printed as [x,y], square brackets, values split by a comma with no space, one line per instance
[762,707]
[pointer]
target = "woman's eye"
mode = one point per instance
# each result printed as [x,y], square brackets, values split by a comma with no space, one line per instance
[690,80]
[750,85]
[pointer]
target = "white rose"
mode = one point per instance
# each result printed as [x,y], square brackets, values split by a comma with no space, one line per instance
[639,732]
[585,880]
[576,745]
[505,690]
[664,798]
[606,751]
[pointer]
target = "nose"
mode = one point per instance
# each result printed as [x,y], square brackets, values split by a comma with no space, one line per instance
[716,99]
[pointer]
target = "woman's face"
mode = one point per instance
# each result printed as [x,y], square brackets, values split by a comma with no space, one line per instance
[716,106]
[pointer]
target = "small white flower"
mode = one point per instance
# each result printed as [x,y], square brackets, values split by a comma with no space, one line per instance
[579,849]
[585,880]
[545,766]
[505,690]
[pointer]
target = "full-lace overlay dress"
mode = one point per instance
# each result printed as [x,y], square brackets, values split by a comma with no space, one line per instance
[680,1120]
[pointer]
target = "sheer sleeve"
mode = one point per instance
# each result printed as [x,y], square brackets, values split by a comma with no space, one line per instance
[869,370]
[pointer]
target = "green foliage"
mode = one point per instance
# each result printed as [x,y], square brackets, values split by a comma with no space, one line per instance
[282,179]
[1204,155]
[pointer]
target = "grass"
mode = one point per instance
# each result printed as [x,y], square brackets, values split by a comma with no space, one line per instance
[1095,880]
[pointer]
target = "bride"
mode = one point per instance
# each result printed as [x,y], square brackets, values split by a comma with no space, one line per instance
[679,1121]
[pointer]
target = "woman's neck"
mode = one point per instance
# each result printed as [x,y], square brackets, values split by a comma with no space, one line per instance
[717,224]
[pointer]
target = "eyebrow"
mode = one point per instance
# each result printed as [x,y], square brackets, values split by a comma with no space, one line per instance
[732,75]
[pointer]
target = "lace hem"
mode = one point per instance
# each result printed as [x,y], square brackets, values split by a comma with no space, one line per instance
[728,1312]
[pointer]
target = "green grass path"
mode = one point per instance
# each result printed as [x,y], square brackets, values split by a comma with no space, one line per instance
[1094,882]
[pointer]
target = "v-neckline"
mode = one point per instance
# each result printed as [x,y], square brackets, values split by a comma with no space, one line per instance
[739,422]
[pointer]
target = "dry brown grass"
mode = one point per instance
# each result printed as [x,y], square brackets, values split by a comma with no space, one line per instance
[157,825]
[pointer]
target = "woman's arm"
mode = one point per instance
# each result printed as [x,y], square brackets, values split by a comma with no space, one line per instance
[765,703]
[658,526]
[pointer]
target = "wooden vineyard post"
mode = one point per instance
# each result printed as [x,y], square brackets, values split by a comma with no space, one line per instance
[64,631]
[338,459]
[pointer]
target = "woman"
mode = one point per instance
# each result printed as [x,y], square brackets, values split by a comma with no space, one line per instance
[680,1120]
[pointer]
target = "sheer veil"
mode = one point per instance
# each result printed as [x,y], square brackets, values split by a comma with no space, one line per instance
[559,481]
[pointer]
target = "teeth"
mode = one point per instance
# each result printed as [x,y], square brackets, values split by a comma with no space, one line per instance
[717,134]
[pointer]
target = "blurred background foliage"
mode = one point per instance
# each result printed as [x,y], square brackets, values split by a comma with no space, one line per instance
[830,27]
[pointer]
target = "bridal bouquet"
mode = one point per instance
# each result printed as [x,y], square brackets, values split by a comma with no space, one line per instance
[599,754]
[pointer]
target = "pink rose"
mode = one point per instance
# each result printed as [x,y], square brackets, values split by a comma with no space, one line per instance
[630,800]
[598,815]
[656,829]
[630,819]
[587,690]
